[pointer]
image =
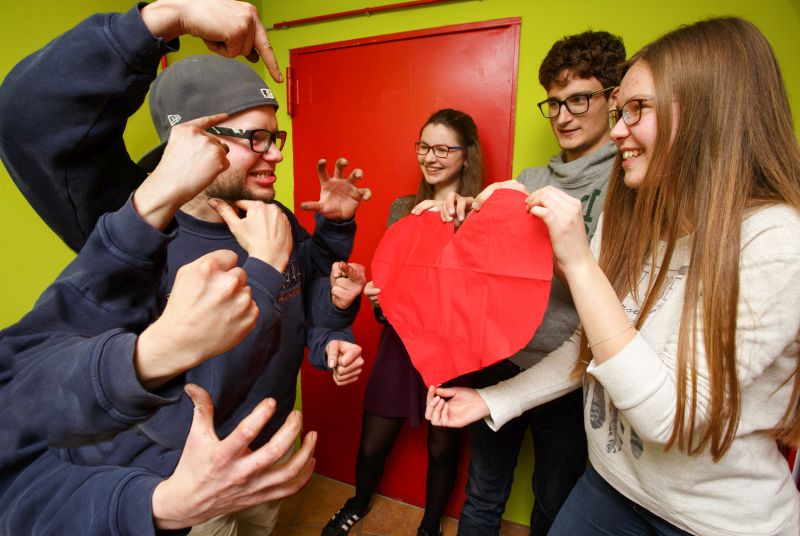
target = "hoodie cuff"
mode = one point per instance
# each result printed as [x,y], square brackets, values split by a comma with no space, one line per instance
[117,386]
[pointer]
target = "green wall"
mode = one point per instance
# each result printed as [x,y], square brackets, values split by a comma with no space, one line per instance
[34,256]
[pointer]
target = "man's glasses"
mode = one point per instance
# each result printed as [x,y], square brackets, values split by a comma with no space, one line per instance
[576,104]
[439,151]
[630,113]
[260,138]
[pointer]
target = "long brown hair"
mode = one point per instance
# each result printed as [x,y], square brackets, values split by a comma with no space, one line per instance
[469,183]
[733,148]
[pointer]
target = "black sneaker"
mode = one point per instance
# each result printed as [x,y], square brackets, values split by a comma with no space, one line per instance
[343,520]
[423,532]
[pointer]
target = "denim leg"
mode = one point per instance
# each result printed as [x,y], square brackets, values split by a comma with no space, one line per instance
[595,508]
[493,457]
[560,454]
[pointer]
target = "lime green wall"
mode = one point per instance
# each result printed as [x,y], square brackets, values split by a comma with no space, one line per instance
[34,256]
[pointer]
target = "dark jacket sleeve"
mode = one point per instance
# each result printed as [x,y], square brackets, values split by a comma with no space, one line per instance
[44,494]
[63,111]
[331,242]
[68,364]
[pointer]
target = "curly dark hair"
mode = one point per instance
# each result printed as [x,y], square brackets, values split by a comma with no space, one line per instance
[588,54]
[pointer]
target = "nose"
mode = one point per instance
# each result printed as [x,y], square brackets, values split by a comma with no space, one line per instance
[429,156]
[564,115]
[620,131]
[273,154]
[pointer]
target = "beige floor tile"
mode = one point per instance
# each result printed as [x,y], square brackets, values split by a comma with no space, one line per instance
[305,513]
[391,518]
[295,530]
[323,497]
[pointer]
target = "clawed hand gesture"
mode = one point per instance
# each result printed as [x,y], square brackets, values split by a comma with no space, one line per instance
[339,197]
[221,476]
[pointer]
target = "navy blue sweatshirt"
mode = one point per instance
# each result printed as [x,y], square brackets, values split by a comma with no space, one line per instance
[66,370]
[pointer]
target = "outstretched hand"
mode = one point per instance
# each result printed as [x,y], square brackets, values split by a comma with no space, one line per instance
[339,197]
[210,310]
[215,477]
[454,407]
[345,361]
[264,231]
[228,27]
[347,281]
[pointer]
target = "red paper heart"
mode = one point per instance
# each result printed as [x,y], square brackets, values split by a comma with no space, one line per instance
[463,301]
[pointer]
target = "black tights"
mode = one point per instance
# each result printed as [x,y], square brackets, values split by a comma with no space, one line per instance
[378,435]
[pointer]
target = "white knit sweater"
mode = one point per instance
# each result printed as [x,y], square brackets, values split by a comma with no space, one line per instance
[629,401]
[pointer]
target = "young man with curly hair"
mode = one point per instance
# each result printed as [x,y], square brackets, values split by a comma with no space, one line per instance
[578,74]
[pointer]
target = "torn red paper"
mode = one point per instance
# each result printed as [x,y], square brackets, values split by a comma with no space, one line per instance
[463,301]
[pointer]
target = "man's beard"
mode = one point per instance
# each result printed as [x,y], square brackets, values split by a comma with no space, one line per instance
[230,186]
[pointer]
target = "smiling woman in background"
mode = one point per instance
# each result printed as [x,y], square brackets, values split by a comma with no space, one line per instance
[450,158]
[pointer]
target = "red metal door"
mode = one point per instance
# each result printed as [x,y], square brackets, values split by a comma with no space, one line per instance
[366,99]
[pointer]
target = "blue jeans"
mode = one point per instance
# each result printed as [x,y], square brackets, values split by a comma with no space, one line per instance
[595,508]
[559,442]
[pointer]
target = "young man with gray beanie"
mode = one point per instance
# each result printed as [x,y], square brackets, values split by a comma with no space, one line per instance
[86,83]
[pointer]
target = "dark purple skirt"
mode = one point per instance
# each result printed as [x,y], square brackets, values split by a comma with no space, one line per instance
[395,388]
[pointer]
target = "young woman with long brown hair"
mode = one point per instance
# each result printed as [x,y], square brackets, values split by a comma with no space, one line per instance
[689,300]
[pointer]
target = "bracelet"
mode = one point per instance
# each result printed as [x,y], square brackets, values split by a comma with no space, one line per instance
[614,336]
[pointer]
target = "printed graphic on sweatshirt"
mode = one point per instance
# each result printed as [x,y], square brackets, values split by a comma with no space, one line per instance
[674,277]
[589,214]
[294,278]
[602,413]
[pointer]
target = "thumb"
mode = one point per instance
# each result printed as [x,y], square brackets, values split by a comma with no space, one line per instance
[311,205]
[203,418]
[446,392]
[225,212]
[332,350]
[223,259]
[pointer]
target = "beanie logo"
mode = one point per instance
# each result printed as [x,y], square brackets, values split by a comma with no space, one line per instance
[173,118]
[265,91]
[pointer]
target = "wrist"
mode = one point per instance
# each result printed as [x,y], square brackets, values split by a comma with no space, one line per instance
[154,360]
[279,262]
[157,210]
[163,19]
[578,270]
[166,514]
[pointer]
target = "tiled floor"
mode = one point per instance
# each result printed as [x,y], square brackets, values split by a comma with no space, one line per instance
[307,512]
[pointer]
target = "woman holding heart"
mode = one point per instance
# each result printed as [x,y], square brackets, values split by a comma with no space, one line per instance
[450,159]
[688,300]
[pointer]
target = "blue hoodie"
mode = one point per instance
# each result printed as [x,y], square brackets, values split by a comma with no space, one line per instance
[66,369]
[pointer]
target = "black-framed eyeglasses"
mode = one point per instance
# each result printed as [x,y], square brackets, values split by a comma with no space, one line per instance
[439,151]
[576,104]
[260,138]
[630,112]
